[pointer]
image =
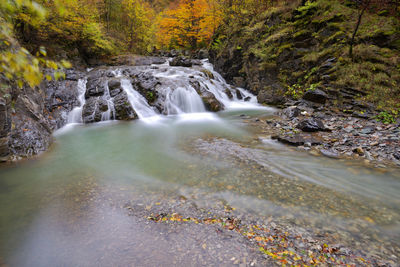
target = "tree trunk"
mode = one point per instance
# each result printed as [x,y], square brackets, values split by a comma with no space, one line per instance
[356,28]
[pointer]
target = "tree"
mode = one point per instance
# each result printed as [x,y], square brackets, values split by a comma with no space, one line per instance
[139,26]
[373,5]
[189,24]
[18,67]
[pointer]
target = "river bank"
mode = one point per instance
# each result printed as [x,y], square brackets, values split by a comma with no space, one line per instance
[335,135]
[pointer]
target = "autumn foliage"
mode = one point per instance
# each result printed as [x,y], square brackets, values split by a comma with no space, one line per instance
[188,23]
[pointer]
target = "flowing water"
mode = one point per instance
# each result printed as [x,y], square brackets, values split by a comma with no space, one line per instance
[85,202]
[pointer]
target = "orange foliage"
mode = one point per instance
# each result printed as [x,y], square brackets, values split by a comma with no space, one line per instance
[190,24]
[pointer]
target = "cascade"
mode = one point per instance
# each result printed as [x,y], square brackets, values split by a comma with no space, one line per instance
[179,90]
[137,101]
[75,116]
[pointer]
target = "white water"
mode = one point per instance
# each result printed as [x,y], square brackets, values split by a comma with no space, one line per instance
[75,116]
[178,93]
[106,116]
[183,100]
[137,101]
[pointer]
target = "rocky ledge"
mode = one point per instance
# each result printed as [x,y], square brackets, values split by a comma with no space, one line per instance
[334,135]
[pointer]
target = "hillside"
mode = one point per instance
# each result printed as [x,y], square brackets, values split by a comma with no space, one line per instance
[291,48]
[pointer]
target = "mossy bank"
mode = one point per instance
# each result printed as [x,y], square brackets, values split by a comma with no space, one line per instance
[296,47]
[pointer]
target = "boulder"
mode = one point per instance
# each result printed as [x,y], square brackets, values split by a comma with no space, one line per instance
[123,109]
[316,96]
[270,97]
[311,125]
[238,94]
[211,103]
[114,84]
[181,62]
[291,112]
[93,109]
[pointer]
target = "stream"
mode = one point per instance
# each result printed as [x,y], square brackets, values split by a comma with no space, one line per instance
[86,202]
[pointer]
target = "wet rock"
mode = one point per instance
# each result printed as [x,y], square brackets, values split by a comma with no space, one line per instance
[73,75]
[329,153]
[316,96]
[115,92]
[311,125]
[93,109]
[396,155]
[238,94]
[114,84]
[229,93]
[211,103]
[247,99]
[95,87]
[296,139]
[123,109]
[181,62]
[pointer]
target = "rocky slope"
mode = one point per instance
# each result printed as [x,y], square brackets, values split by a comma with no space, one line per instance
[292,49]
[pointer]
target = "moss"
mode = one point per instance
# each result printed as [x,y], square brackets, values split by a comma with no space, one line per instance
[316,56]
[281,34]
[337,37]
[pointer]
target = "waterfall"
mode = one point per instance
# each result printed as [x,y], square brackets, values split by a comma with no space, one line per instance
[75,116]
[183,100]
[175,91]
[106,116]
[137,101]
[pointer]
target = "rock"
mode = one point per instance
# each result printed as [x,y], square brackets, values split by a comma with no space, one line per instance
[115,92]
[358,150]
[329,153]
[396,155]
[270,98]
[368,130]
[291,112]
[114,84]
[95,87]
[123,109]
[202,54]
[211,103]
[93,109]
[348,129]
[316,96]
[238,94]
[247,99]
[181,62]
[228,93]
[311,125]
[296,139]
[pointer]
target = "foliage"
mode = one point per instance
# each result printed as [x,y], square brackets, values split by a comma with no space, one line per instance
[388,117]
[295,91]
[191,24]
[140,28]
[18,66]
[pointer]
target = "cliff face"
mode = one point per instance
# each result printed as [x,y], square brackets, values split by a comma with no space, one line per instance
[292,49]
[27,124]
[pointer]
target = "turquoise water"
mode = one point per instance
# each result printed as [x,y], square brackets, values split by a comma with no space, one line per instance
[66,207]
